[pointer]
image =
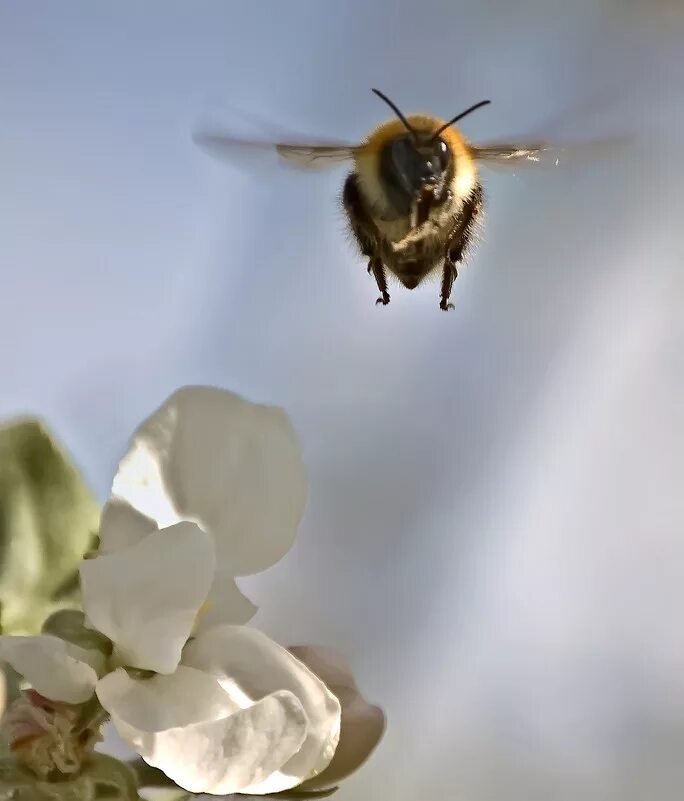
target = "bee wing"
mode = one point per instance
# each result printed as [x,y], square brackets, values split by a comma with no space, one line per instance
[505,153]
[318,155]
[521,154]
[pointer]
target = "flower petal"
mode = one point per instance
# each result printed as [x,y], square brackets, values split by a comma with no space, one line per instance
[225,604]
[122,526]
[146,598]
[249,666]
[190,728]
[328,664]
[363,725]
[56,669]
[163,702]
[232,466]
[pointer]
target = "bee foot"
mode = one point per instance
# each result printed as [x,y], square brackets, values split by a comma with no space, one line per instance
[444,306]
[384,299]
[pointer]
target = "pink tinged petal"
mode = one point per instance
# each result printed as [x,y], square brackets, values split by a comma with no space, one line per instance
[146,598]
[232,466]
[327,663]
[249,666]
[189,728]
[363,725]
[57,669]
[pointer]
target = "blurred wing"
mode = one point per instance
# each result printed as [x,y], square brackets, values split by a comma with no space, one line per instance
[516,155]
[308,156]
[511,154]
[316,156]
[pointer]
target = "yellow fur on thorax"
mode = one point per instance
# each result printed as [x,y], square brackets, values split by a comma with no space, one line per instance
[367,160]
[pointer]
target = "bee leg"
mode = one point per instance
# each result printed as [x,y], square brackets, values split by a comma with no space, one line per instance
[449,273]
[366,234]
[376,266]
[458,244]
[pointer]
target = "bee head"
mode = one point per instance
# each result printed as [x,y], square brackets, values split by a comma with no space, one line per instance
[411,163]
[416,160]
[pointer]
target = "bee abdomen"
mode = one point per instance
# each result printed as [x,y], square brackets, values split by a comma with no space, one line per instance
[410,273]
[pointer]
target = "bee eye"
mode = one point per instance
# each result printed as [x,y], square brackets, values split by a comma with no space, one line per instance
[443,154]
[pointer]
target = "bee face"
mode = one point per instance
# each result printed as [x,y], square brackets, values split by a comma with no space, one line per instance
[410,163]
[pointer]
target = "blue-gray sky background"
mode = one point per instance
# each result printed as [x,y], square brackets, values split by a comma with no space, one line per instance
[494,533]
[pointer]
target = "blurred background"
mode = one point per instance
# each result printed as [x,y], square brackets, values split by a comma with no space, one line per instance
[494,532]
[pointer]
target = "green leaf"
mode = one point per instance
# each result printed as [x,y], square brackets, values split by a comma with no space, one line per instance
[294,795]
[148,776]
[48,520]
[111,779]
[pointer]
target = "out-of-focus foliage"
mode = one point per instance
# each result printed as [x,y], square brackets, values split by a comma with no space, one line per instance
[103,778]
[69,625]
[48,521]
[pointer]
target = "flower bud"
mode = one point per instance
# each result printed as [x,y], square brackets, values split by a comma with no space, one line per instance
[48,737]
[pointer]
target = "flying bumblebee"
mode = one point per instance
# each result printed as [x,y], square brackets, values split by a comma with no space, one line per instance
[413,198]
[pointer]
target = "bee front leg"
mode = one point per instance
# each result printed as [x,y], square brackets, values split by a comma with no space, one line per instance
[376,266]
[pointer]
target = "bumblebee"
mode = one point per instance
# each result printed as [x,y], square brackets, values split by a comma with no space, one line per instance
[413,198]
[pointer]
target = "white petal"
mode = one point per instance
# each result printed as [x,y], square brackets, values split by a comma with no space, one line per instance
[146,598]
[189,728]
[225,604]
[164,702]
[328,664]
[363,725]
[56,669]
[250,666]
[122,526]
[232,466]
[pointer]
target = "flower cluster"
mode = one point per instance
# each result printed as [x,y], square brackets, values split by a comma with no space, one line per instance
[212,487]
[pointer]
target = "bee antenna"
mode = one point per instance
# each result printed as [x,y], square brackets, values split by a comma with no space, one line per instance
[395,110]
[461,116]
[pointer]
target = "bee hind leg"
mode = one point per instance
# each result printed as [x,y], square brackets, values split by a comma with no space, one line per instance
[376,266]
[449,273]
[366,234]
[458,244]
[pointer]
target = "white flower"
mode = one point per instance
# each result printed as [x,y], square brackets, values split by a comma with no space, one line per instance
[238,713]
[231,466]
[211,488]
